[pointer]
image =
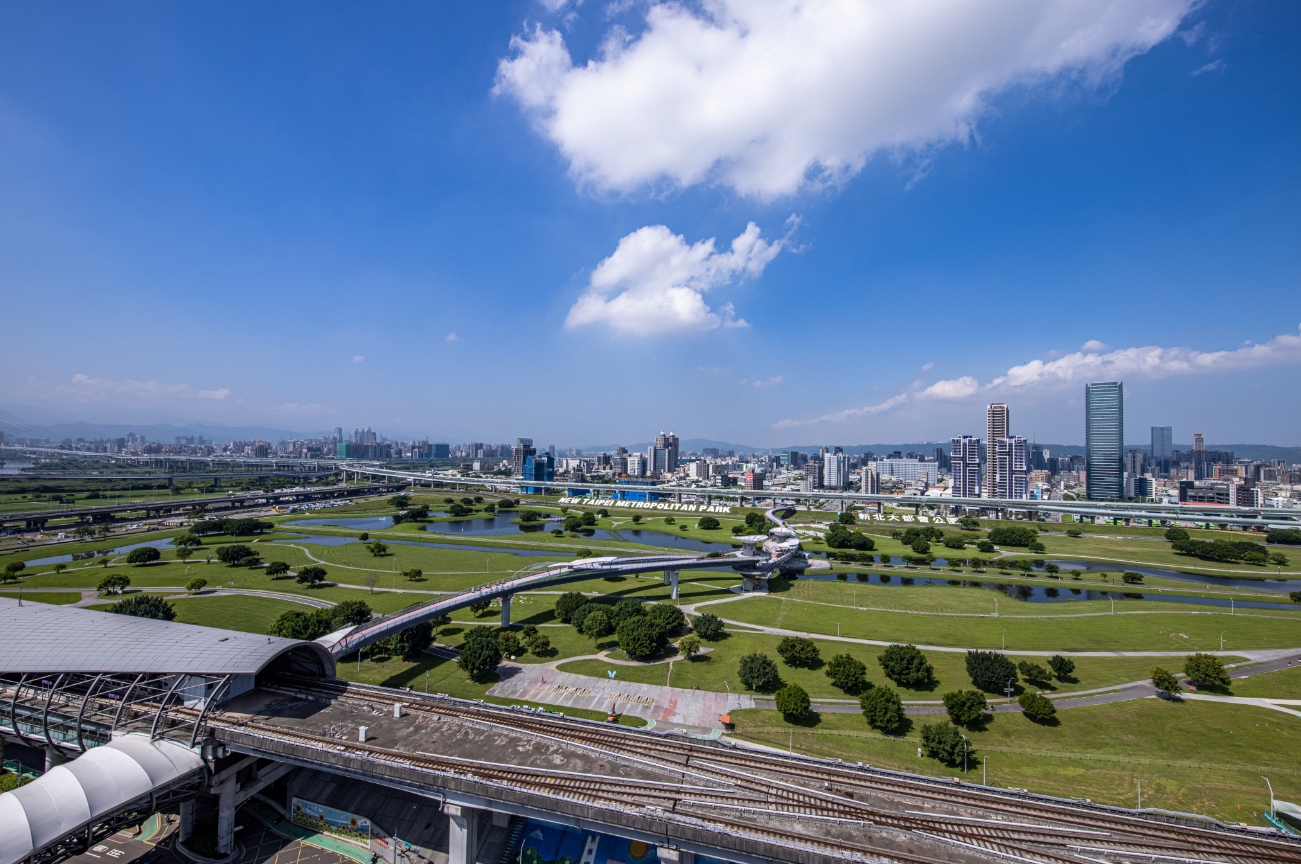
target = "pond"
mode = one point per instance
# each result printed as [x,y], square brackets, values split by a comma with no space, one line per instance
[1037,593]
[336,540]
[500,525]
[1264,583]
[86,556]
[359,523]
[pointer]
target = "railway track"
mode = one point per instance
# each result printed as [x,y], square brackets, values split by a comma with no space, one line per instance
[737,790]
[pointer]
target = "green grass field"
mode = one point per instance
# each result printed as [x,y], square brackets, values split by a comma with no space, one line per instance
[1283,684]
[57,598]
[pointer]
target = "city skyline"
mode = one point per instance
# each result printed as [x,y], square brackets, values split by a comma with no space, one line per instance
[371,219]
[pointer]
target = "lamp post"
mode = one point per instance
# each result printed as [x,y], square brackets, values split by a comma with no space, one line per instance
[1271,795]
[1004,640]
[1222,632]
[1140,793]
[1009,688]
[966,748]
[984,771]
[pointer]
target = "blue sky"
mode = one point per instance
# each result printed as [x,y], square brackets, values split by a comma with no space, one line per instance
[478,221]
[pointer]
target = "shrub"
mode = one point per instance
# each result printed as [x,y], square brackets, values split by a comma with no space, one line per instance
[567,604]
[1206,669]
[311,576]
[793,702]
[840,537]
[1013,536]
[1174,535]
[1034,673]
[689,646]
[597,623]
[144,606]
[540,644]
[798,651]
[944,742]
[114,582]
[1131,578]
[707,626]
[196,585]
[510,643]
[1038,708]
[847,673]
[638,636]
[990,671]
[1285,536]
[882,708]
[986,547]
[1062,666]
[906,666]
[759,673]
[666,618]
[234,553]
[708,523]
[143,555]
[965,706]
[1074,532]
[955,542]
[480,654]
[1165,681]
[277,568]
[8,781]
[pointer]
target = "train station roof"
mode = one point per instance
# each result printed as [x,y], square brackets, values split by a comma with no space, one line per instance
[44,638]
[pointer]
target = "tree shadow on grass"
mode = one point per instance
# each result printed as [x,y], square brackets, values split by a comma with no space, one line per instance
[808,721]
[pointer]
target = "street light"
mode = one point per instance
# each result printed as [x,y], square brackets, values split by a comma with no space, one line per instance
[984,771]
[1271,795]
[1009,688]
[1222,632]
[966,748]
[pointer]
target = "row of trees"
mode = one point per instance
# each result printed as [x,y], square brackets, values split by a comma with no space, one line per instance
[641,628]
[1202,670]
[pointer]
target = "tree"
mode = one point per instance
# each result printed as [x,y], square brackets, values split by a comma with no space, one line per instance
[1165,681]
[986,547]
[708,523]
[144,606]
[689,647]
[184,552]
[477,609]
[666,618]
[234,553]
[1034,673]
[143,555]
[311,576]
[1038,708]
[965,707]
[1206,669]
[636,517]
[370,580]
[510,643]
[707,626]
[846,518]
[377,549]
[798,651]
[847,673]
[906,666]
[840,537]
[969,523]
[113,582]
[540,644]
[921,547]
[882,708]
[625,609]
[638,636]
[1295,595]
[990,671]
[597,623]
[792,702]
[410,642]
[944,742]
[196,585]
[1013,536]
[1062,666]
[955,542]
[363,536]
[1284,536]
[13,568]
[755,522]
[414,575]
[1131,578]
[400,502]
[567,604]
[350,612]
[480,654]
[1174,535]
[573,522]
[758,672]
[276,569]
[588,520]
[300,625]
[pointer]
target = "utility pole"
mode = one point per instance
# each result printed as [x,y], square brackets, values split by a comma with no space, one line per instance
[1140,793]
[984,771]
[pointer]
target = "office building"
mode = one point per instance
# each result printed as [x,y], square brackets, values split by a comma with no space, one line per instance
[812,480]
[698,470]
[1009,464]
[754,479]
[442,451]
[669,444]
[522,450]
[1104,441]
[998,424]
[909,470]
[338,433]
[1202,469]
[1135,466]
[1162,448]
[636,464]
[964,462]
[835,470]
[1208,492]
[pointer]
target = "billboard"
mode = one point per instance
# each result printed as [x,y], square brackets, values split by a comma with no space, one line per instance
[327,820]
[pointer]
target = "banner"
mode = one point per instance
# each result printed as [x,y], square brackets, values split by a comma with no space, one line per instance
[327,820]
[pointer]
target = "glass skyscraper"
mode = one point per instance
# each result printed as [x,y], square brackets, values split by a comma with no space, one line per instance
[1104,441]
[1162,444]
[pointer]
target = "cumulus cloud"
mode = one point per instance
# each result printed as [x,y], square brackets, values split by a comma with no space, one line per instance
[89,388]
[452,337]
[1082,366]
[214,394]
[1093,345]
[357,358]
[769,96]
[762,383]
[655,283]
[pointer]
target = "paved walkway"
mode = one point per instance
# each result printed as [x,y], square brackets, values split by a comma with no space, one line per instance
[694,711]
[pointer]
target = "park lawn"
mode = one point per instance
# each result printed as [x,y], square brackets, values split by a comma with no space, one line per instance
[1154,554]
[1283,684]
[55,598]
[1191,756]
[1159,631]
[233,612]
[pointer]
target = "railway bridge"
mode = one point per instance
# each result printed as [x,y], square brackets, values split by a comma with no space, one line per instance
[137,715]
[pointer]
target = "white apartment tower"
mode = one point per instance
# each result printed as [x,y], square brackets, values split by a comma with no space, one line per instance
[998,424]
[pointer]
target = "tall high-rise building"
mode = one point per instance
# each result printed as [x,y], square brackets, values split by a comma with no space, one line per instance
[835,470]
[1008,457]
[669,444]
[870,482]
[998,424]
[338,433]
[522,450]
[812,480]
[1162,445]
[1201,466]
[1133,472]
[1104,440]
[964,460]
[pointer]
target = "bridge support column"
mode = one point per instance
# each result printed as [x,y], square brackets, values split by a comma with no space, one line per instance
[505,610]
[670,855]
[673,582]
[186,828]
[53,758]
[226,816]
[462,834]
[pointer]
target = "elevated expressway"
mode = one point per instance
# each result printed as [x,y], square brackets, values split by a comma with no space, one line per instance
[212,715]
[1242,517]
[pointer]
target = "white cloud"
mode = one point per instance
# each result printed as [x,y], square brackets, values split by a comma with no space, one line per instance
[1213,66]
[1147,362]
[1093,345]
[768,96]
[214,394]
[655,283]
[926,367]
[357,358]
[293,409]
[452,337]
[761,383]
[86,388]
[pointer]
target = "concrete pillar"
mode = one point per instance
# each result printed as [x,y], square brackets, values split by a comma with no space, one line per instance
[186,827]
[666,577]
[673,581]
[505,610]
[462,834]
[226,817]
[672,855]
[53,758]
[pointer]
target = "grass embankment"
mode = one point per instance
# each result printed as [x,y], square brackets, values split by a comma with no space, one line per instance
[56,598]
[1192,756]
[1159,631]
[1283,684]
